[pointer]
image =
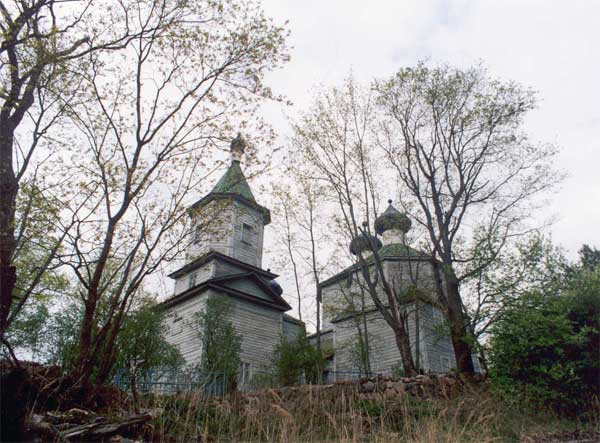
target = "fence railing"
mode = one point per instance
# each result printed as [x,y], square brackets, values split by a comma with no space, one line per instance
[168,381]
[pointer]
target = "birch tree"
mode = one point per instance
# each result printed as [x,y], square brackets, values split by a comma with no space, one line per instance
[44,45]
[155,114]
[470,175]
[335,138]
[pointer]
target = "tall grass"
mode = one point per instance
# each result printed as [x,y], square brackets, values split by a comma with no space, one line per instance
[341,413]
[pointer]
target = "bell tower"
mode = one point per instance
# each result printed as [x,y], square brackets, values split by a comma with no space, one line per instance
[228,219]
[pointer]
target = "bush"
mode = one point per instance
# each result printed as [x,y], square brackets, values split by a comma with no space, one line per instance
[547,346]
[221,344]
[293,359]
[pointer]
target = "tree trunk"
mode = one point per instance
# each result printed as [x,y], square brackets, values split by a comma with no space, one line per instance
[403,343]
[319,351]
[86,360]
[8,194]
[458,325]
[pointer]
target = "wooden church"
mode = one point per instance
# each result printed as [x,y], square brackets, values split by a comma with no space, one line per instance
[225,260]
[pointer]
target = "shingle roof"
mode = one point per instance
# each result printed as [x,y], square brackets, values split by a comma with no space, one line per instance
[234,182]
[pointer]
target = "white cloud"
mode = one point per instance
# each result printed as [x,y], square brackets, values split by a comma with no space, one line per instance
[551,46]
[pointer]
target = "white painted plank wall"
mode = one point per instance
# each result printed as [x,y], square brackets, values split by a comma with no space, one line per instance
[182,333]
[261,329]
[202,274]
[248,252]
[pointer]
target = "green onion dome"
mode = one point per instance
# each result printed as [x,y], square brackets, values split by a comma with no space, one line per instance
[363,243]
[392,219]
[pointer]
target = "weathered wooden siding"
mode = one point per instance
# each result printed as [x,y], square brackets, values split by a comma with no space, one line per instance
[384,354]
[439,352]
[291,328]
[435,348]
[203,273]
[181,330]
[249,287]
[247,251]
[222,269]
[260,328]
[216,221]
[346,294]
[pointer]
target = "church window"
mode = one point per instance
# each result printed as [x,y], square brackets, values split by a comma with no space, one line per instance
[247,233]
[192,280]
[197,232]
[445,364]
[244,374]
[349,279]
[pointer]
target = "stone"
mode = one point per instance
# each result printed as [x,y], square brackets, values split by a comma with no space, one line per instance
[368,386]
[400,388]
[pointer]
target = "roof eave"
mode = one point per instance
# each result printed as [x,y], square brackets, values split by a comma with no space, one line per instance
[228,195]
[343,274]
[195,264]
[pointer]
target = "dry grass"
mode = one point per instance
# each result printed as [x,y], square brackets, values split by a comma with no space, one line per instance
[339,414]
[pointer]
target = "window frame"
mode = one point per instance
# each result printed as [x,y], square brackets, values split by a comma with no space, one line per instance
[438,316]
[197,234]
[192,280]
[247,230]
[245,373]
[177,328]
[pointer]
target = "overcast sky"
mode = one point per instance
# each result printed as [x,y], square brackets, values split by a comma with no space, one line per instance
[551,46]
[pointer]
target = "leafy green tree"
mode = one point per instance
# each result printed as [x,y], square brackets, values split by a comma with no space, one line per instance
[44,49]
[547,344]
[221,344]
[39,282]
[141,342]
[294,358]
[141,345]
[532,263]
[61,333]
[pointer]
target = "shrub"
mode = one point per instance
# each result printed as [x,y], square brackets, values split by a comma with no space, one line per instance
[296,358]
[221,344]
[547,346]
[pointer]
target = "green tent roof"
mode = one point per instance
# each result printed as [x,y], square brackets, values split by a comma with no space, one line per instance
[392,251]
[234,182]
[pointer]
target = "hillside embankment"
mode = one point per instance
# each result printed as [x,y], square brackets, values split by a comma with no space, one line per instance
[41,405]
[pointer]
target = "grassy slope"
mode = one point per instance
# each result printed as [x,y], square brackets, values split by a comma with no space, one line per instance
[340,414]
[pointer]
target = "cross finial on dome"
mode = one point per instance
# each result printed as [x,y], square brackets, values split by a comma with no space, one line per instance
[238,145]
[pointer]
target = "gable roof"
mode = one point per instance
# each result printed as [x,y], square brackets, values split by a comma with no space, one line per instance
[260,283]
[220,284]
[391,252]
[214,255]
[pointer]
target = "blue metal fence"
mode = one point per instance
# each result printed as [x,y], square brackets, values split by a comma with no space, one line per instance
[169,381]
